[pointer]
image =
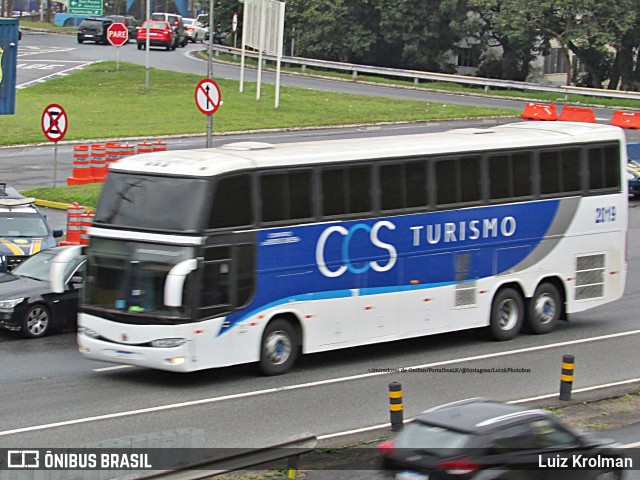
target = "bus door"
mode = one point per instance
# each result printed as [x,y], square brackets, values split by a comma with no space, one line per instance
[227,283]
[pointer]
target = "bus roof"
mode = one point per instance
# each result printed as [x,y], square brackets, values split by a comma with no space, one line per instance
[252,155]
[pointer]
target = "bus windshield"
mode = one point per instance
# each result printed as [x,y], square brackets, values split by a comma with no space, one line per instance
[130,277]
[152,202]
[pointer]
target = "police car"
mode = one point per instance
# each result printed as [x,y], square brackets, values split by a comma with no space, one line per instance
[23,229]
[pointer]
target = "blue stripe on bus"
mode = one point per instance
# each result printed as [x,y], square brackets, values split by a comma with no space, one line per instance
[390,254]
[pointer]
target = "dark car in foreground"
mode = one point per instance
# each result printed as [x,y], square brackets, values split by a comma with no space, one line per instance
[41,294]
[94,29]
[482,439]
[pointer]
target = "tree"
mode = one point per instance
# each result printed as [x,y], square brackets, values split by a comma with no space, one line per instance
[586,27]
[495,24]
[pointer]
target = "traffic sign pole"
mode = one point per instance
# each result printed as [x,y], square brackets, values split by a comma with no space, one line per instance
[208,99]
[118,35]
[54,126]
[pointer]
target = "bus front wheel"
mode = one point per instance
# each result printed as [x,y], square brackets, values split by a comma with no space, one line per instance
[544,309]
[507,312]
[279,348]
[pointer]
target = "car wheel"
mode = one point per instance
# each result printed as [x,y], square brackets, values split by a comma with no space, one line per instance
[140,46]
[507,312]
[80,40]
[544,309]
[279,347]
[37,321]
[168,47]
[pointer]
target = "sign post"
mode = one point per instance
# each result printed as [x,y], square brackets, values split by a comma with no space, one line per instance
[54,126]
[118,35]
[208,99]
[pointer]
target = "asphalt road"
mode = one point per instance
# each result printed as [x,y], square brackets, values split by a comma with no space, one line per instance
[52,397]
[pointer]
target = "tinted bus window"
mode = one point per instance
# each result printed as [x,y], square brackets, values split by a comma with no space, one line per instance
[286,196]
[346,190]
[232,202]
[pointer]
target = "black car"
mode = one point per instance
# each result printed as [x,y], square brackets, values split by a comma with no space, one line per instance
[94,29]
[484,439]
[41,294]
[130,22]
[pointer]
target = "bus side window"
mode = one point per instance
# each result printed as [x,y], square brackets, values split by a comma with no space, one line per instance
[604,167]
[346,190]
[286,196]
[232,202]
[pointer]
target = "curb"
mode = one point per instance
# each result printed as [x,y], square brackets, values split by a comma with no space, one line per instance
[50,204]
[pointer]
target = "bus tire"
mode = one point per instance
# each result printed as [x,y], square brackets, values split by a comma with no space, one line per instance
[544,309]
[507,312]
[279,347]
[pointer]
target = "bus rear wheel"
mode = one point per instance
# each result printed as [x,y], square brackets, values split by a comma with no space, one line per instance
[544,309]
[507,312]
[279,347]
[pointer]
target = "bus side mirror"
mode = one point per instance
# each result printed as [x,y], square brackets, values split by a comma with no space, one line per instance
[59,265]
[175,282]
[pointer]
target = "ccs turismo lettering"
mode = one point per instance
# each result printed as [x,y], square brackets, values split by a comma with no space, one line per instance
[432,234]
[461,231]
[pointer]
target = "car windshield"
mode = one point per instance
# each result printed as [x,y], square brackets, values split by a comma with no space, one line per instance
[440,441]
[36,267]
[22,225]
[156,25]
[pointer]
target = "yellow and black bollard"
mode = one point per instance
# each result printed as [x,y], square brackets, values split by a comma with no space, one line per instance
[566,377]
[395,406]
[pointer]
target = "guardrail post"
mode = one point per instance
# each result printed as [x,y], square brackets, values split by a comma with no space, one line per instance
[566,377]
[354,75]
[396,411]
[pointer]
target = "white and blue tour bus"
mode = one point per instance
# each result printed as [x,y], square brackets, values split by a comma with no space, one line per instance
[252,252]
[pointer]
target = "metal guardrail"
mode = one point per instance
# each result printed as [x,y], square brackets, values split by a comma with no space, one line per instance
[417,75]
[290,450]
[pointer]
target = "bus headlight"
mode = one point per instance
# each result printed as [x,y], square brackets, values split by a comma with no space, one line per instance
[88,332]
[168,342]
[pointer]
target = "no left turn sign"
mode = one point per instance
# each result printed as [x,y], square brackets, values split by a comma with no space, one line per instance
[208,96]
[54,122]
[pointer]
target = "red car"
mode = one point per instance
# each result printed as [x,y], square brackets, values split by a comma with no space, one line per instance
[160,35]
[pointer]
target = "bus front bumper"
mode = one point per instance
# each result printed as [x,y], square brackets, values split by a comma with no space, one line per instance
[175,359]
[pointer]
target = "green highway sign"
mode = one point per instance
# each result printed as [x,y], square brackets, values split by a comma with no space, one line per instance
[85,7]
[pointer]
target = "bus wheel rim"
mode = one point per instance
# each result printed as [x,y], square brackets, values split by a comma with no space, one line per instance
[278,347]
[545,308]
[507,314]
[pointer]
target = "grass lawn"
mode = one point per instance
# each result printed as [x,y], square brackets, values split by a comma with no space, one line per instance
[104,103]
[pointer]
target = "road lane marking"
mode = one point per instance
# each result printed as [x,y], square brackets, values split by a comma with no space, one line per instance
[300,386]
[106,369]
[60,73]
